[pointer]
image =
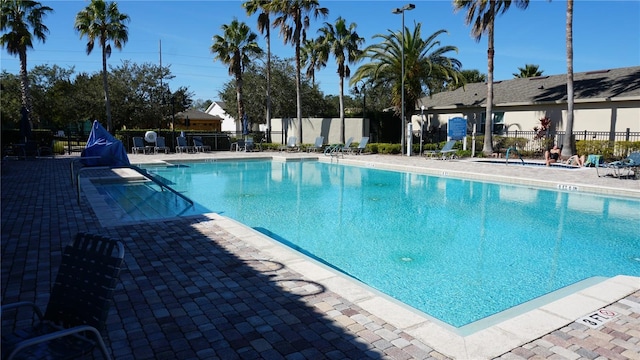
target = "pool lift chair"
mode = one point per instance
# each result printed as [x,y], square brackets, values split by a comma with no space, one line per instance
[78,305]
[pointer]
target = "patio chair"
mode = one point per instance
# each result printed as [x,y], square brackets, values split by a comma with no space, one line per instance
[317,145]
[346,148]
[198,145]
[622,168]
[160,145]
[290,145]
[138,145]
[447,151]
[78,304]
[361,146]
[182,146]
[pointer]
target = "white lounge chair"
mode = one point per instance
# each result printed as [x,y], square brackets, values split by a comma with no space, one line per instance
[291,145]
[361,146]
[447,151]
[317,145]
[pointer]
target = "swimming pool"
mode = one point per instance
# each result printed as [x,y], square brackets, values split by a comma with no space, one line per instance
[458,250]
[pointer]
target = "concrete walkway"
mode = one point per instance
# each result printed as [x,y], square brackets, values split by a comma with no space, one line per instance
[206,287]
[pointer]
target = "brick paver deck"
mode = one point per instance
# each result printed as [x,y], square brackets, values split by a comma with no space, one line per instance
[191,290]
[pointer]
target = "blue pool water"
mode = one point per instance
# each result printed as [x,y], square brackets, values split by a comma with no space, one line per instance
[458,250]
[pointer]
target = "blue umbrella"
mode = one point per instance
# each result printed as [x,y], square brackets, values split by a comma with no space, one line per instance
[25,126]
[245,124]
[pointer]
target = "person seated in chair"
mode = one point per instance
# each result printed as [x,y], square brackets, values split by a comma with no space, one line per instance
[552,155]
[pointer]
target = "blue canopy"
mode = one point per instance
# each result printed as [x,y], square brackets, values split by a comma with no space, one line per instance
[103,149]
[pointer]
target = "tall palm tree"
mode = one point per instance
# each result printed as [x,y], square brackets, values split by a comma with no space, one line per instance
[293,21]
[343,43]
[568,146]
[529,70]
[22,21]
[482,14]
[310,57]
[103,22]
[236,47]
[426,64]
[264,26]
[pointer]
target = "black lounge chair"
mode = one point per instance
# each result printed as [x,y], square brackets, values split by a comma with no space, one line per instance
[78,305]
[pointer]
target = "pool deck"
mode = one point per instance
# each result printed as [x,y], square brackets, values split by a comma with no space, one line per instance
[207,287]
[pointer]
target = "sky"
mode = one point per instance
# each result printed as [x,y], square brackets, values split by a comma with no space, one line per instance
[606,35]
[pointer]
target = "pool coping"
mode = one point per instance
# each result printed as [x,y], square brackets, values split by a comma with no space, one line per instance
[504,332]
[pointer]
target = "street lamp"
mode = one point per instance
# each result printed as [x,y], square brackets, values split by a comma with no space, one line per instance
[362,91]
[401,11]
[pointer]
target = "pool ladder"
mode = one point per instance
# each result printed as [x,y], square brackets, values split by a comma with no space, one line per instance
[334,150]
[515,149]
[142,172]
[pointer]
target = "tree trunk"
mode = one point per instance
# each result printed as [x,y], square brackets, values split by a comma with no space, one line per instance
[487,148]
[568,145]
[24,84]
[341,99]
[105,86]
[268,84]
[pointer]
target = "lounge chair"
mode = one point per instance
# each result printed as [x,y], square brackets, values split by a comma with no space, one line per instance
[622,167]
[160,145]
[447,151]
[317,145]
[198,145]
[182,146]
[360,148]
[138,145]
[290,145]
[78,305]
[346,148]
[249,145]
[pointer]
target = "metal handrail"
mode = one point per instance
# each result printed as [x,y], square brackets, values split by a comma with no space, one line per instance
[138,170]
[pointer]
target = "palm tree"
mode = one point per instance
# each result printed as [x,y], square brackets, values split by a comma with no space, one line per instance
[343,43]
[426,64]
[235,48]
[482,14]
[529,70]
[101,21]
[568,146]
[310,57]
[264,26]
[293,21]
[22,19]
[468,77]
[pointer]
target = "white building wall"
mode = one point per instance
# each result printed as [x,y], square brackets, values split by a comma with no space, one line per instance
[228,122]
[314,127]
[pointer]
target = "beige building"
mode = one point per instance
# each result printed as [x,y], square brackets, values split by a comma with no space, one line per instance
[604,100]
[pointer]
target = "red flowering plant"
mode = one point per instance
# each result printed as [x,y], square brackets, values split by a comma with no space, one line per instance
[541,131]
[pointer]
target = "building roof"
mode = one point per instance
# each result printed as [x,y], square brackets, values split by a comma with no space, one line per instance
[591,86]
[194,114]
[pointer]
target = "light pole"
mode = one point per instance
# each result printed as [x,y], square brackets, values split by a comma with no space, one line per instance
[402,120]
[421,126]
[364,102]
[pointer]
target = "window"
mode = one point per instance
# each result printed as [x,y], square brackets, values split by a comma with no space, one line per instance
[498,122]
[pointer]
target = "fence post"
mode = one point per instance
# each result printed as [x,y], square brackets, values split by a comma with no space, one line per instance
[626,138]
